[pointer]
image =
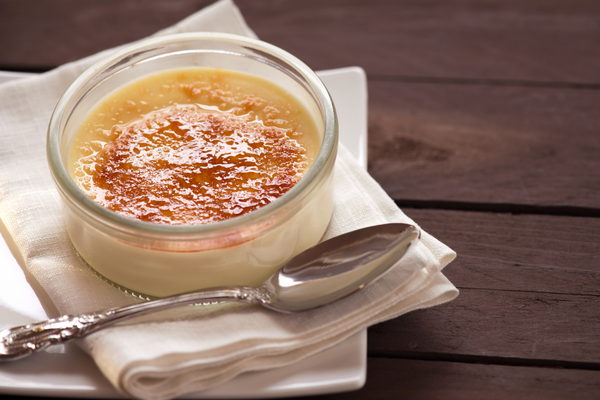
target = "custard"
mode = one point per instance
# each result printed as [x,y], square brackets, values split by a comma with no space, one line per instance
[193,146]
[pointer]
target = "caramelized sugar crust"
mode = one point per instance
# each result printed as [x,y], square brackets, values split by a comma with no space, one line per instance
[187,165]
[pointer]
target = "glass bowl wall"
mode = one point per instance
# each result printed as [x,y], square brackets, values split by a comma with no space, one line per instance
[157,259]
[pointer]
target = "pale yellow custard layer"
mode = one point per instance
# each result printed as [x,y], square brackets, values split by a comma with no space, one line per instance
[193,146]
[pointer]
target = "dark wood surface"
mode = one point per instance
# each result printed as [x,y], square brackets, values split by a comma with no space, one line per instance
[484,126]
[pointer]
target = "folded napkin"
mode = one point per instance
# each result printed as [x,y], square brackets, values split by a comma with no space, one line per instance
[192,348]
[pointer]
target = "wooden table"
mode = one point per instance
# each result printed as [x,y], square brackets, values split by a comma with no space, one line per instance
[484,126]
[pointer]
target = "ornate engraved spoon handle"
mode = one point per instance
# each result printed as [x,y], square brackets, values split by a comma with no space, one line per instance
[21,341]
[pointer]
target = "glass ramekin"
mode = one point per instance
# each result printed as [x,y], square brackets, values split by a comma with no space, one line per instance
[155,260]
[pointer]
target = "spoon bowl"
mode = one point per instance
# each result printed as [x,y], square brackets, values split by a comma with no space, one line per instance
[325,273]
[338,267]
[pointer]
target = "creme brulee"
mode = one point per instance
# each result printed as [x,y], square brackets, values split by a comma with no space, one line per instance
[203,134]
[193,146]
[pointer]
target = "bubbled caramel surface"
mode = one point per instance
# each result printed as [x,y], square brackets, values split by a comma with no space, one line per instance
[185,164]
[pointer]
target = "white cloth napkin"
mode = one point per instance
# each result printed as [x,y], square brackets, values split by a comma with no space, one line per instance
[192,348]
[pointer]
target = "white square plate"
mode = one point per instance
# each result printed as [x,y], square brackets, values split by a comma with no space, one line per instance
[66,371]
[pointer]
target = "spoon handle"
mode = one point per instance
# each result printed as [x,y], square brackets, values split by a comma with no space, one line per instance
[21,341]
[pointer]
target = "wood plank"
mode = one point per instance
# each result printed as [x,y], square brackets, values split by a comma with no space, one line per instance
[409,379]
[523,253]
[529,293]
[38,35]
[503,40]
[483,144]
[543,41]
[498,327]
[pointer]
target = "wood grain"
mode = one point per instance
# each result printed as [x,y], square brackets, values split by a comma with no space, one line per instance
[541,41]
[38,35]
[500,40]
[495,327]
[412,379]
[518,252]
[529,293]
[476,143]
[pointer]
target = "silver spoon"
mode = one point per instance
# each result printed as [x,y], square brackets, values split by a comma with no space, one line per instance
[320,275]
